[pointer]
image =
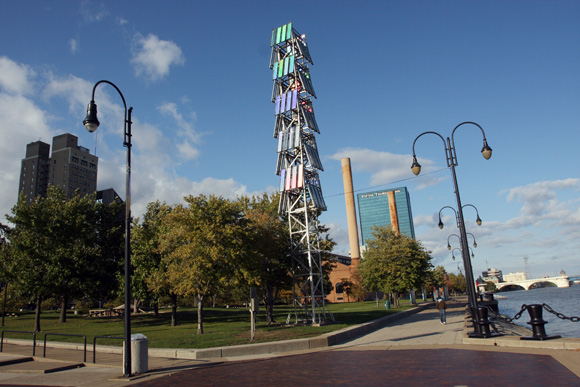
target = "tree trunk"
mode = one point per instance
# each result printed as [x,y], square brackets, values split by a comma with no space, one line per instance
[156,308]
[174,310]
[63,308]
[377,298]
[136,303]
[199,314]
[269,304]
[37,317]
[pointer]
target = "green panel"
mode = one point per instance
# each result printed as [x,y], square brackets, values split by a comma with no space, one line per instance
[289,31]
[280,68]
[278,35]
[284,32]
[273,38]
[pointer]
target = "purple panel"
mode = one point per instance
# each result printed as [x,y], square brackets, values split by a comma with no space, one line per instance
[277,105]
[282,179]
[294,98]
[288,102]
[283,103]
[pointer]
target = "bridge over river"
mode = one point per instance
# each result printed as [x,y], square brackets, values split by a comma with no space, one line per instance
[561,282]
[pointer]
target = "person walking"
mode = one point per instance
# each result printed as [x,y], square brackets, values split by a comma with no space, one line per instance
[441,306]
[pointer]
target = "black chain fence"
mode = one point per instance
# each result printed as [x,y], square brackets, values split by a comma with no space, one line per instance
[548,309]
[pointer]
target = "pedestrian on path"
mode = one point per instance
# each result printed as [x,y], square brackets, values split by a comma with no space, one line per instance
[441,306]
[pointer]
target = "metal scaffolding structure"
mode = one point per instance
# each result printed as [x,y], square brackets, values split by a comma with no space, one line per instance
[301,199]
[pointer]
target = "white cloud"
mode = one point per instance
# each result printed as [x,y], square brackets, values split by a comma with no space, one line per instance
[386,167]
[16,78]
[21,122]
[153,57]
[73,45]
[187,136]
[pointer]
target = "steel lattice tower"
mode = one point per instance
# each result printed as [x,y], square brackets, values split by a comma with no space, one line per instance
[298,164]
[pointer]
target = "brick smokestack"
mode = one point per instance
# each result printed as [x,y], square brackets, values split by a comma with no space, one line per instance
[350,211]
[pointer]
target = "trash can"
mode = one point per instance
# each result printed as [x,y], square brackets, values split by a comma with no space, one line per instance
[139,354]
[387,304]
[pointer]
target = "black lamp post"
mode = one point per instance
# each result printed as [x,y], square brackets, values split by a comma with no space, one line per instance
[92,123]
[451,157]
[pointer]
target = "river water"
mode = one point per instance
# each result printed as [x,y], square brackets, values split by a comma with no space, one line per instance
[562,300]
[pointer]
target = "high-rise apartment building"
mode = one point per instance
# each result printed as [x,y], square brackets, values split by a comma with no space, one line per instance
[34,170]
[385,208]
[70,167]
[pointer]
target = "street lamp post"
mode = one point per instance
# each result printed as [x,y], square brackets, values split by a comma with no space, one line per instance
[91,123]
[469,271]
[451,157]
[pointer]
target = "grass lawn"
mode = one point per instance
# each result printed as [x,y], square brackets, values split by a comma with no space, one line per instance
[222,326]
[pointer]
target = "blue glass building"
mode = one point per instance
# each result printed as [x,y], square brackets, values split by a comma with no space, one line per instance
[374,210]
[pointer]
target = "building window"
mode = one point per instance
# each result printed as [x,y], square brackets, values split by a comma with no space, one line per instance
[339,288]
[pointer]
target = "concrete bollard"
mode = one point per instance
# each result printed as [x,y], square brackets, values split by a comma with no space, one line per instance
[139,354]
[537,323]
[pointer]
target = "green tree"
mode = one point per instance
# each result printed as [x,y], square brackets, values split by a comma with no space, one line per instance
[207,234]
[353,286]
[61,248]
[491,286]
[267,263]
[393,263]
[148,280]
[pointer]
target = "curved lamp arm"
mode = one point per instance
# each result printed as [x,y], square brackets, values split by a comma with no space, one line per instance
[478,220]
[485,151]
[440,222]
[91,121]
[416,167]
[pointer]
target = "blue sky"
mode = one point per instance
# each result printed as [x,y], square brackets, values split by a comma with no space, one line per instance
[197,74]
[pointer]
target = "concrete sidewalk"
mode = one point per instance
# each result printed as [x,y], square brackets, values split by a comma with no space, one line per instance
[418,331]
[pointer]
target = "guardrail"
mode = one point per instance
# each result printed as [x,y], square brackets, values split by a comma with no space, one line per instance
[66,334]
[102,337]
[33,340]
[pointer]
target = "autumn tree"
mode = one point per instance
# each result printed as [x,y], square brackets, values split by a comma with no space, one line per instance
[207,234]
[393,263]
[457,283]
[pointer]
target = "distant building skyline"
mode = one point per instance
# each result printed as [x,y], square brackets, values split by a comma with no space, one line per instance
[70,167]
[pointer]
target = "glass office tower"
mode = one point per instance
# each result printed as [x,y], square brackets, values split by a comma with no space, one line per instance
[375,210]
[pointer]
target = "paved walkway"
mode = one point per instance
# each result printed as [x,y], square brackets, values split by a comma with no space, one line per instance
[416,350]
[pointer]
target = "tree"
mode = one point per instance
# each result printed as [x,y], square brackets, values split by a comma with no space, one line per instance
[149,279]
[353,286]
[61,248]
[207,234]
[267,263]
[393,263]
[457,283]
